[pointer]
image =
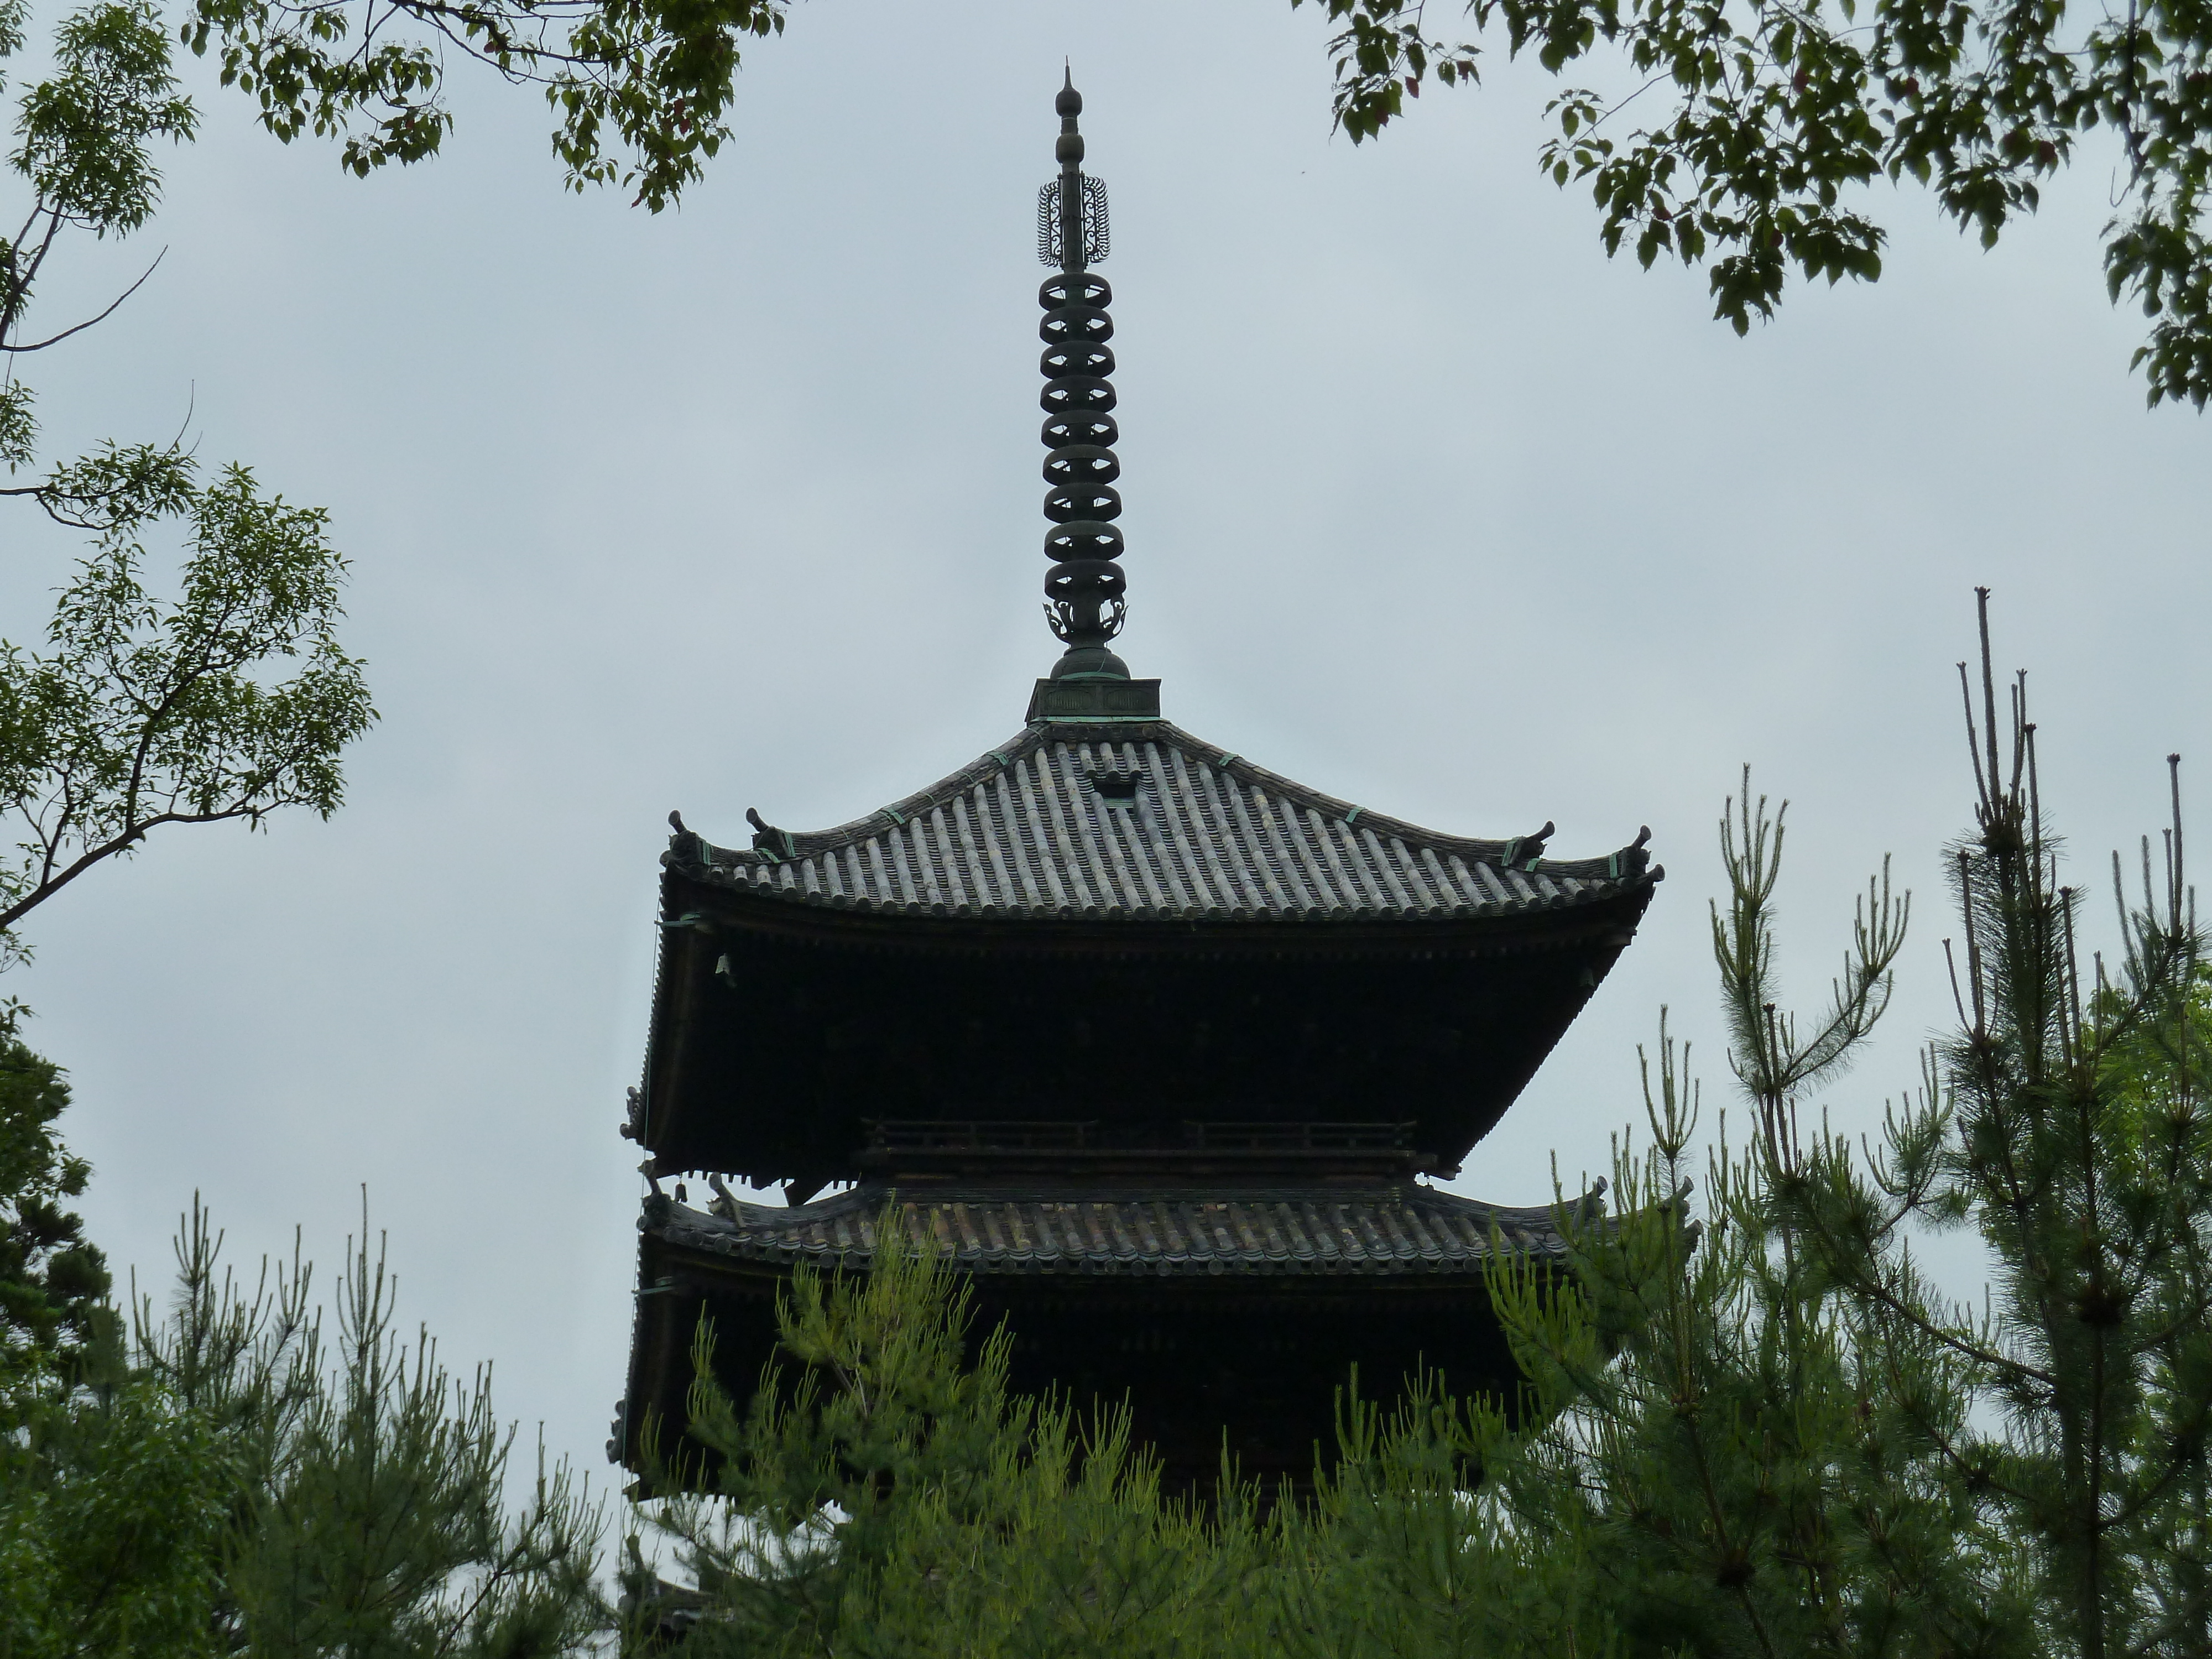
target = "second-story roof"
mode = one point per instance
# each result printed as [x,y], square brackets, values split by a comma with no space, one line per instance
[1401,1228]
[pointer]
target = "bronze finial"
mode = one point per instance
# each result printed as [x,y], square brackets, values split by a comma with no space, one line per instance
[1083,589]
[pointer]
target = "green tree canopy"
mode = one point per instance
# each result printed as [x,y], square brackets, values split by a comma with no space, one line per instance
[1739,134]
[639,89]
[221,693]
[53,1283]
[244,1485]
[143,711]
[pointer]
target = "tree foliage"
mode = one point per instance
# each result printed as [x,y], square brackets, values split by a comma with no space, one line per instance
[54,1283]
[1747,1467]
[639,89]
[2070,1133]
[247,1487]
[375,1516]
[1791,1440]
[880,1496]
[143,712]
[884,1494]
[1767,121]
[84,153]
[111,1515]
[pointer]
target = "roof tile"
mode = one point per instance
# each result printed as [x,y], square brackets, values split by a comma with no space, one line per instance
[1402,1229]
[1025,830]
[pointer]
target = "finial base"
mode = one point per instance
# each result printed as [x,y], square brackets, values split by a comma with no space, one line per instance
[1091,701]
[1090,662]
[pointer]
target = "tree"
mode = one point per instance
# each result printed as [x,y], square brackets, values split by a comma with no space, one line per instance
[370,1515]
[233,700]
[2070,1130]
[638,87]
[1746,1463]
[1782,112]
[85,153]
[53,1283]
[246,1488]
[233,1486]
[1791,1439]
[143,713]
[111,1518]
[1392,1556]
[882,1494]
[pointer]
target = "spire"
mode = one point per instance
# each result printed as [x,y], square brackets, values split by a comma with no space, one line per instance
[1083,590]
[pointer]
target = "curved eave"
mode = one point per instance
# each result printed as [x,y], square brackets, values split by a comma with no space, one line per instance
[1158,1232]
[695,903]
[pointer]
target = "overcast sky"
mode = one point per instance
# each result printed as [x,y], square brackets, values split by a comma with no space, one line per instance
[1428,505]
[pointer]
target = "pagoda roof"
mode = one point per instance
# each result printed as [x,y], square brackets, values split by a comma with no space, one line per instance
[1404,1228]
[1140,820]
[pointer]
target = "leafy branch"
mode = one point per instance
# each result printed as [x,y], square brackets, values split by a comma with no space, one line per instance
[143,713]
[1785,110]
[640,88]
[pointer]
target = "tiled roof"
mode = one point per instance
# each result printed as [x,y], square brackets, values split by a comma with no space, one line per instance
[1144,820]
[1402,1229]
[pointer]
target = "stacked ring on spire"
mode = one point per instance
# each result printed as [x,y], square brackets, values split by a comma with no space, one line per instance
[1083,584]
[1083,589]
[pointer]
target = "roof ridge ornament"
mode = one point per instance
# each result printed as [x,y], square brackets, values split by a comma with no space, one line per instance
[1084,602]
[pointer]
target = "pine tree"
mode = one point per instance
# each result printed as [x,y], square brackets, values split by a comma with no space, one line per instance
[246,1487]
[1720,1441]
[2066,1125]
[1393,1555]
[883,1493]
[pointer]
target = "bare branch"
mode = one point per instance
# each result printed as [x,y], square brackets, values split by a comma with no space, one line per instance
[92,322]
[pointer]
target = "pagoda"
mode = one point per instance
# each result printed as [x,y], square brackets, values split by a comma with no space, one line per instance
[1160,1049]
